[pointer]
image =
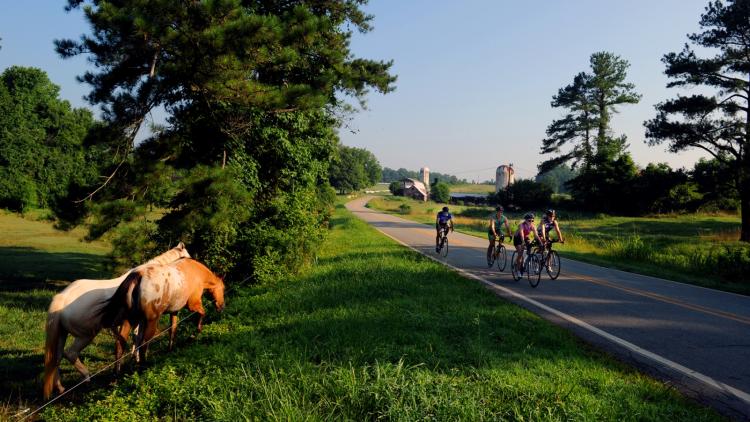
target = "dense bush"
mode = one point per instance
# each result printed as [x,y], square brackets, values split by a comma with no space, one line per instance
[524,194]
[440,192]
[396,188]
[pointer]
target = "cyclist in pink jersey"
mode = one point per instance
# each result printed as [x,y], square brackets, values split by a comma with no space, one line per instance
[521,239]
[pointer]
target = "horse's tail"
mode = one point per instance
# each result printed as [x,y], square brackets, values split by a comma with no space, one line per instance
[121,305]
[52,347]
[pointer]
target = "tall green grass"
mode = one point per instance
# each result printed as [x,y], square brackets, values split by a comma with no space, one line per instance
[374,331]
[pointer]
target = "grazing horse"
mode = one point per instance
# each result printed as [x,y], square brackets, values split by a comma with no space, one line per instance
[152,290]
[77,311]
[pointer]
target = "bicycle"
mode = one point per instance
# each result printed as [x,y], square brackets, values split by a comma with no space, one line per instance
[532,265]
[442,248]
[498,254]
[550,259]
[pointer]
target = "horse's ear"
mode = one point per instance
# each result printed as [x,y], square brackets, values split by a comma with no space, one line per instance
[180,245]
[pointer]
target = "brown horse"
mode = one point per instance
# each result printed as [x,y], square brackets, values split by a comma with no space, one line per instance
[152,290]
[77,311]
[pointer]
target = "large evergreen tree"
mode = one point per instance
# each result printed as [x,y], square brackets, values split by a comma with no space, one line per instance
[718,124]
[590,101]
[251,90]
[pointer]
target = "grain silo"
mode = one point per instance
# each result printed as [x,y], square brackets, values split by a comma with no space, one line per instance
[424,177]
[504,177]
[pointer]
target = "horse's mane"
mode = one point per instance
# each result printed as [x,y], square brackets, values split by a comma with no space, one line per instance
[174,254]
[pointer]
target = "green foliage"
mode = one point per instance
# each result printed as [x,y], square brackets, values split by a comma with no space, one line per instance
[404,209]
[353,169]
[557,178]
[524,194]
[440,192]
[391,175]
[605,186]
[396,188]
[251,91]
[41,141]
[590,101]
[719,123]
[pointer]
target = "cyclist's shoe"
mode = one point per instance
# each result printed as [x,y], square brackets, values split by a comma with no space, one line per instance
[437,249]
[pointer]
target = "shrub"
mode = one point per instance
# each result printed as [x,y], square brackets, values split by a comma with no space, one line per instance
[404,209]
[441,192]
[396,188]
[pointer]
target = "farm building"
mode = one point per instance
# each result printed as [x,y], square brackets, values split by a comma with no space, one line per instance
[415,189]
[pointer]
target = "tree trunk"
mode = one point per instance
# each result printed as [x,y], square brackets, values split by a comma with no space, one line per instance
[745,205]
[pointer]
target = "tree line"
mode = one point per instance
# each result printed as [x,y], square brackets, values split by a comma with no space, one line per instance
[391,175]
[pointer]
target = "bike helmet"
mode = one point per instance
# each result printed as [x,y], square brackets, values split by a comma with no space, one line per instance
[499,208]
[445,209]
[529,216]
[550,212]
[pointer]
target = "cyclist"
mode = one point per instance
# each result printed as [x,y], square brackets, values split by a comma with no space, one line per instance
[521,239]
[549,222]
[496,225]
[443,221]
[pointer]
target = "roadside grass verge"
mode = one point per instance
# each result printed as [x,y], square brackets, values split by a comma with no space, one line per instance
[375,331]
[700,249]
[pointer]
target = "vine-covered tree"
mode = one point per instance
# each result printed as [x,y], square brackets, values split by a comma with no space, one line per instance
[252,90]
[718,124]
[590,101]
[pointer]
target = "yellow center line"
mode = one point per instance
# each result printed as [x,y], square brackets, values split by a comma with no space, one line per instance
[656,296]
[639,292]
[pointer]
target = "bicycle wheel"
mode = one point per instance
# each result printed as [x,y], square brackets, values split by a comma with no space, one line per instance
[513,267]
[534,270]
[502,258]
[444,248]
[553,265]
[491,258]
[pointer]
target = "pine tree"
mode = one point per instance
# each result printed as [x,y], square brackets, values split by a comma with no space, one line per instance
[718,124]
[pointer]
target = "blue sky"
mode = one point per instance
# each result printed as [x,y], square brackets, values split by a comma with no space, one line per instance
[475,78]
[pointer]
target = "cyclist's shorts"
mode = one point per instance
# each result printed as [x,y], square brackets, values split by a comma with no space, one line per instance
[517,240]
[491,236]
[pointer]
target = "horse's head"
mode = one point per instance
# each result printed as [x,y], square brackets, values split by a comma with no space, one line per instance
[217,291]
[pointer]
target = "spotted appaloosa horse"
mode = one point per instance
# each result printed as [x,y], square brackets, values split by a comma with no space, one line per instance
[77,311]
[152,290]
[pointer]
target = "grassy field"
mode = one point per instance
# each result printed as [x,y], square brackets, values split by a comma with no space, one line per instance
[372,331]
[472,188]
[677,247]
[35,261]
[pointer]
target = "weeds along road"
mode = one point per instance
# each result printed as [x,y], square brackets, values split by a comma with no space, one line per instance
[695,338]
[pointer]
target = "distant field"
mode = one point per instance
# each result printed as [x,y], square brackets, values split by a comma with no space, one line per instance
[677,247]
[35,262]
[30,249]
[472,188]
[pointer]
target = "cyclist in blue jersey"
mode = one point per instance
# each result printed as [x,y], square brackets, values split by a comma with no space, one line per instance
[546,226]
[443,221]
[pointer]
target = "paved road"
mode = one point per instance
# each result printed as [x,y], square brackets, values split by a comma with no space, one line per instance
[695,338]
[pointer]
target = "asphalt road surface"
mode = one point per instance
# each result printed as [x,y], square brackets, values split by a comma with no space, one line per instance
[694,338]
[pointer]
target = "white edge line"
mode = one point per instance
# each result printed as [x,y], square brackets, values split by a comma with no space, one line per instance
[743,396]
